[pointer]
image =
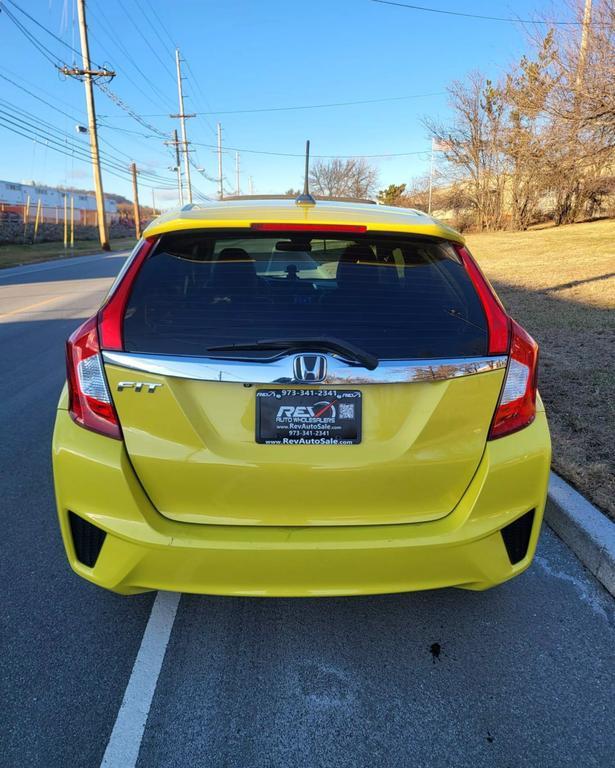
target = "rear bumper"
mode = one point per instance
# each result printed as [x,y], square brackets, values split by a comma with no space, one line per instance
[143,550]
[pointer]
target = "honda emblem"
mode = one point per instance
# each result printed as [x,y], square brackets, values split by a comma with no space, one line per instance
[310,368]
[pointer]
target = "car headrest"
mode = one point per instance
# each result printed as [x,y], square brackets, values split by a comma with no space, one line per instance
[234,268]
[357,267]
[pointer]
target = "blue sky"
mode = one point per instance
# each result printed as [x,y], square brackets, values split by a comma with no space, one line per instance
[248,55]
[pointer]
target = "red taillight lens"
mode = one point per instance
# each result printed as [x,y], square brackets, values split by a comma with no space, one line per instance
[111,315]
[273,227]
[89,400]
[497,320]
[90,403]
[517,406]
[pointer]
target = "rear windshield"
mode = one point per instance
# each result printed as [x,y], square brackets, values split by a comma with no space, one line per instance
[396,298]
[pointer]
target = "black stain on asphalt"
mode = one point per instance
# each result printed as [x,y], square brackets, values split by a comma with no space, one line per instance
[435,649]
[489,738]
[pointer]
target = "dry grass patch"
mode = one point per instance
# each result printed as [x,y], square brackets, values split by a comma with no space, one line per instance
[16,255]
[560,284]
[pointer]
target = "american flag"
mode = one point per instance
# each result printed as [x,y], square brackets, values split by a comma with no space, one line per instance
[439,145]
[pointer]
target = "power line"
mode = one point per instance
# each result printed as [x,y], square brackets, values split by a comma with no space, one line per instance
[321,106]
[236,149]
[57,147]
[38,98]
[153,11]
[161,98]
[130,111]
[313,106]
[194,80]
[479,16]
[43,27]
[37,131]
[42,90]
[300,154]
[38,24]
[60,111]
[182,120]
[146,15]
[202,197]
[147,41]
[40,47]
[63,140]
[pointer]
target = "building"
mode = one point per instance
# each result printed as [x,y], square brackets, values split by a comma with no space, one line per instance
[23,200]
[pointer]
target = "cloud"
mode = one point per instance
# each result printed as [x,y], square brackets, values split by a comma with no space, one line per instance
[166,194]
[80,173]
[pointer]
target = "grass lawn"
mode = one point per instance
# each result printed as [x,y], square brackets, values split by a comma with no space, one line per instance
[559,283]
[16,255]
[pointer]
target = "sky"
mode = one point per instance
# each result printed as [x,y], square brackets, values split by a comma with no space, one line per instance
[243,55]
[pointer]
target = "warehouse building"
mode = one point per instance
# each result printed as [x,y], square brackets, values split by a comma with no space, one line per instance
[23,200]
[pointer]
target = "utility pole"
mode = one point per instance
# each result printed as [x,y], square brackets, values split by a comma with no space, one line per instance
[250,185]
[72,221]
[153,201]
[237,184]
[135,200]
[220,180]
[178,167]
[182,117]
[587,18]
[430,178]
[65,220]
[87,73]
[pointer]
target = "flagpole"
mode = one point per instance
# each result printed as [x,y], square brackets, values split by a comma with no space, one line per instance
[430,179]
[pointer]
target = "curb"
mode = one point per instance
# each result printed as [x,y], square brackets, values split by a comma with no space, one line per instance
[587,531]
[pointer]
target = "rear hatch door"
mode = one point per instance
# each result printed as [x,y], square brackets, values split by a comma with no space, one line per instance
[246,391]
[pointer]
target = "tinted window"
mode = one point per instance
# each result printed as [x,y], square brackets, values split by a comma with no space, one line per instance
[397,298]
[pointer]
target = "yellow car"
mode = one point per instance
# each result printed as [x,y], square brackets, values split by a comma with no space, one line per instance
[300,399]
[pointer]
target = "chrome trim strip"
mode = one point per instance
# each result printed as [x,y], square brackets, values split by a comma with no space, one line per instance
[281,371]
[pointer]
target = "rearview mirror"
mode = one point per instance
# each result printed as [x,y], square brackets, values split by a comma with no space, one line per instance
[302,246]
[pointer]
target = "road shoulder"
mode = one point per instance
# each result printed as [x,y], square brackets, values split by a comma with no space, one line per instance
[587,531]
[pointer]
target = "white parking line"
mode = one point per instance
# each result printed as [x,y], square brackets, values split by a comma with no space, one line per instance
[125,740]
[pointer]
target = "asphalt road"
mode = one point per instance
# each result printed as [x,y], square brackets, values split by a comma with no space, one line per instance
[523,675]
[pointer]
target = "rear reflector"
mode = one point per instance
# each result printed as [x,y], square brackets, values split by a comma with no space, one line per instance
[90,403]
[517,406]
[87,539]
[497,320]
[111,315]
[283,227]
[517,537]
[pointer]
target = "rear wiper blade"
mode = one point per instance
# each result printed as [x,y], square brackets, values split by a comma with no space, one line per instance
[314,344]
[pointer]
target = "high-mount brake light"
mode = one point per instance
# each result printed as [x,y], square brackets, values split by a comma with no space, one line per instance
[517,406]
[111,315]
[90,403]
[498,321]
[273,227]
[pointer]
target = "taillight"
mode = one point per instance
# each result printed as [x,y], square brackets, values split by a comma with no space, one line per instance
[89,400]
[111,315]
[497,320]
[90,403]
[517,406]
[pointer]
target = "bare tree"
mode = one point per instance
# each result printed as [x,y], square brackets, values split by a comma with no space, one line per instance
[474,150]
[343,178]
[526,93]
[582,115]
[544,139]
[585,94]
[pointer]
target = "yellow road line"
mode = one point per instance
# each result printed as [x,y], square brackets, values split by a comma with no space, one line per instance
[30,306]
